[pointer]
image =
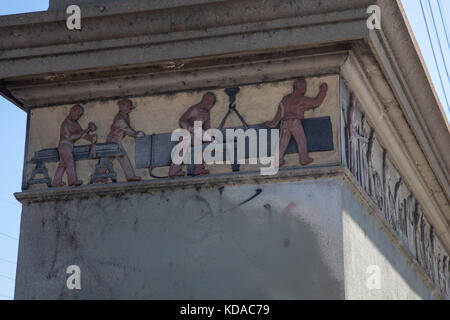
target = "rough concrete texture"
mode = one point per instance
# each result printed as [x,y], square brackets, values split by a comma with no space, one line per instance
[365,245]
[283,243]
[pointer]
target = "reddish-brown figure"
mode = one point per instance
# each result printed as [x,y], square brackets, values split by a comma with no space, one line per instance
[291,112]
[197,112]
[121,128]
[70,132]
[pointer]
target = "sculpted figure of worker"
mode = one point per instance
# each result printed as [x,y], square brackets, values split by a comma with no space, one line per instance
[121,128]
[70,132]
[197,112]
[291,112]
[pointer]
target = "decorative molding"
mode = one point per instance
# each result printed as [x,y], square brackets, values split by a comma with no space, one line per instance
[145,186]
[263,69]
[372,107]
[410,110]
[90,49]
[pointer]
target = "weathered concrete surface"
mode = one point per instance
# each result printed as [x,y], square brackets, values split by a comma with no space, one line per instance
[160,36]
[285,243]
[366,245]
[372,166]
[62,4]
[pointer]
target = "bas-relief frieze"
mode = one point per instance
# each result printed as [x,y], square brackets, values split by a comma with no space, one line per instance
[373,168]
[305,112]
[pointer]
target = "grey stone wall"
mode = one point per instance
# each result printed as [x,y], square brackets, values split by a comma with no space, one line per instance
[273,241]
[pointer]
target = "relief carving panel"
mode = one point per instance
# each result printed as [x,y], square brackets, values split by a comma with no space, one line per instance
[372,167]
[132,138]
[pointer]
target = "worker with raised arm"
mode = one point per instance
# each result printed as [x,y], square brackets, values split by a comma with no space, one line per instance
[291,112]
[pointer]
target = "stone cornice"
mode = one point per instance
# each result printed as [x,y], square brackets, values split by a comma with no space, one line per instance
[57,13]
[193,75]
[240,11]
[391,138]
[411,112]
[400,58]
[217,181]
[161,185]
[54,57]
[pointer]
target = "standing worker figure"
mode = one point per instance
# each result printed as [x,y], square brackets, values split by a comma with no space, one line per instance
[70,132]
[291,112]
[197,112]
[121,128]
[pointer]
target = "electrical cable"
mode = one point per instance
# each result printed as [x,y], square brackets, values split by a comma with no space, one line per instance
[434,55]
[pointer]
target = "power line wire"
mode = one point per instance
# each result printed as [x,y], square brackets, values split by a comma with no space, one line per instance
[434,54]
[444,24]
[438,39]
[8,236]
[10,203]
[6,277]
[8,261]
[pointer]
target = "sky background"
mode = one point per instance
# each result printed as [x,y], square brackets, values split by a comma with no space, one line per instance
[12,128]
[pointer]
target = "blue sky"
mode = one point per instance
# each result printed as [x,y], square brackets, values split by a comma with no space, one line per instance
[12,130]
